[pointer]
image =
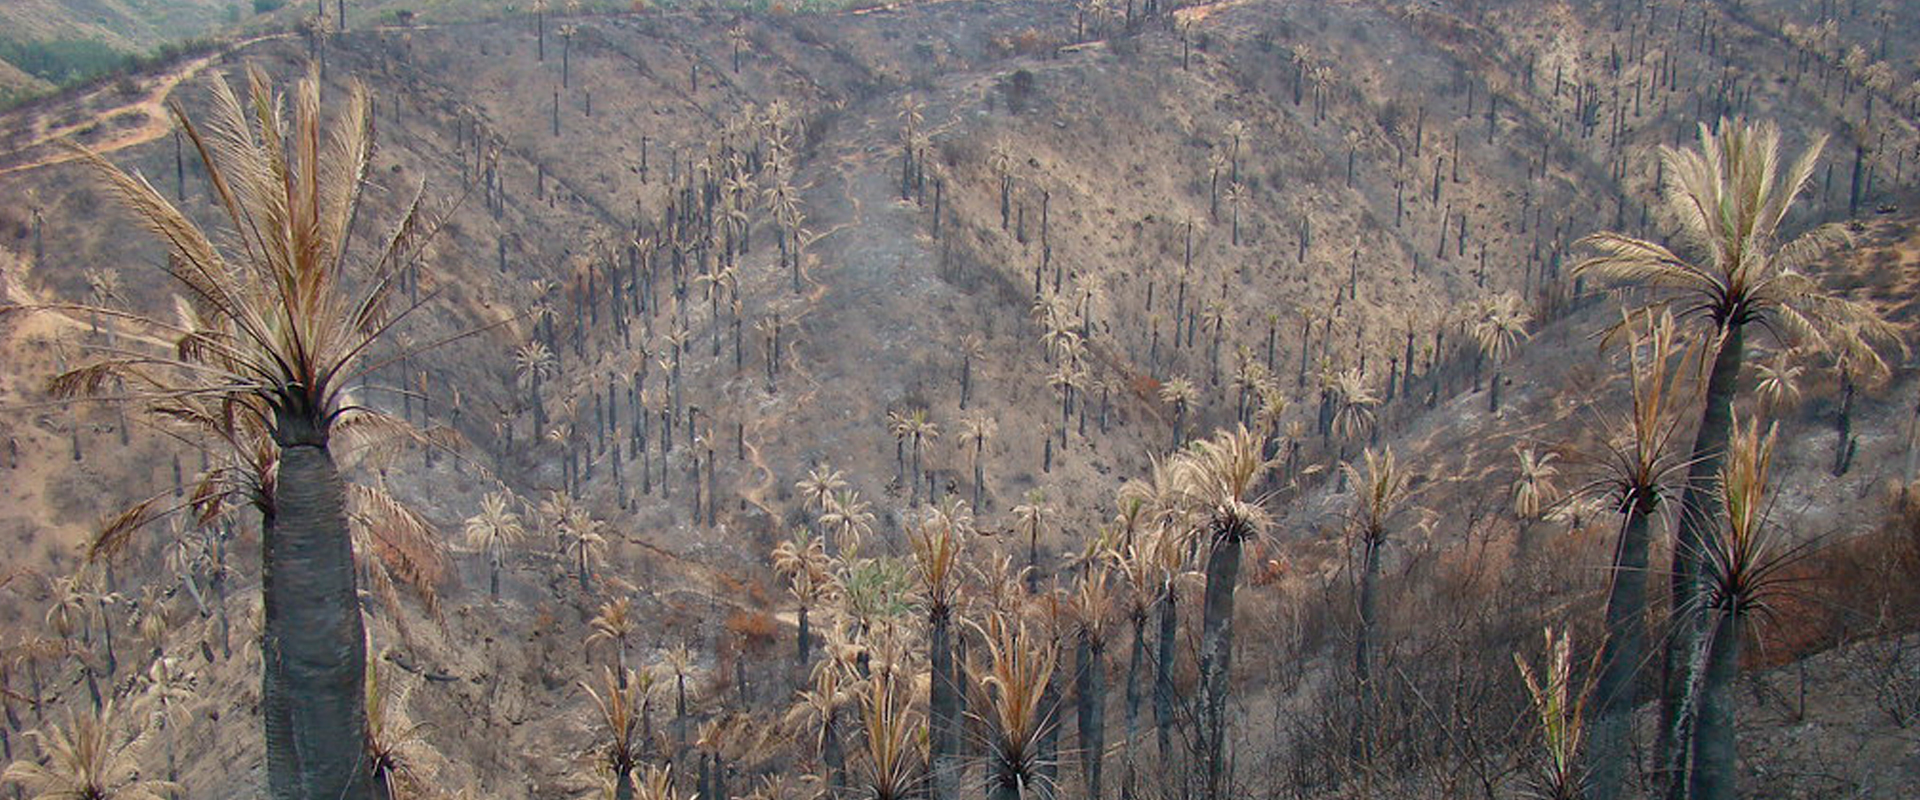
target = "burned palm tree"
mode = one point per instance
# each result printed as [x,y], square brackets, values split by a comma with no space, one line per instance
[802,559]
[1217,480]
[622,702]
[1013,709]
[393,738]
[936,555]
[491,532]
[1735,268]
[1641,468]
[1499,326]
[1380,490]
[1743,571]
[276,324]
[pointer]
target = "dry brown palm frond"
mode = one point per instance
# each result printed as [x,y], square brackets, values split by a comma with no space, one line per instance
[393,741]
[1744,563]
[891,762]
[937,544]
[1090,607]
[1215,479]
[657,784]
[622,702]
[392,539]
[1011,704]
[1642,463]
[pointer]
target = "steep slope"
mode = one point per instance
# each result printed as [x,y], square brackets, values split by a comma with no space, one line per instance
[1395,165]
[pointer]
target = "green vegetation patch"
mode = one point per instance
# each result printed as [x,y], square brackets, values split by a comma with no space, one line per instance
[62,61]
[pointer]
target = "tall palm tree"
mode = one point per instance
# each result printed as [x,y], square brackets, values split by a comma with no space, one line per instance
[972,349]
[1180,394]
[1381,490]
[534,363]
[816,711]
[1743,570]
[94,756]
[1090,609]
[920,430]
[577,533]
[278,325]
[1500,325]
[802,559]
[977,429]
[492,531]
[622,702]
[1216,480]
[1133,557]
[1735,268]
[613,624]
[937,556]
[1029,521]
[1641,469]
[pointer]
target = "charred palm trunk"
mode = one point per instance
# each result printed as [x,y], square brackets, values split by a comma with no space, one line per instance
[314,649]
[1713,742]
[1696,526]
[1216,649]
[1621,656]
[1163,672]
[943,707]
[1092,695]
[1137,656]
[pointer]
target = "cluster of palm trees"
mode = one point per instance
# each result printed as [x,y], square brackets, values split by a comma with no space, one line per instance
[1734,274]
[952,656]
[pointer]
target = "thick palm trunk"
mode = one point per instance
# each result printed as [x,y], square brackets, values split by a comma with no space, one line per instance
[943,708]
[1092,698]
[1696,526]
[1612,710]
[315,646]
[1163,672]
[1216,652]
[1713,744]
[1137,656]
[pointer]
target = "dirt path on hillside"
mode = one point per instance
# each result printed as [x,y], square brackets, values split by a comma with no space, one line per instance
[151,105]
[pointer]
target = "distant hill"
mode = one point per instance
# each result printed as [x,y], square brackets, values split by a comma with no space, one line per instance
[44,43]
